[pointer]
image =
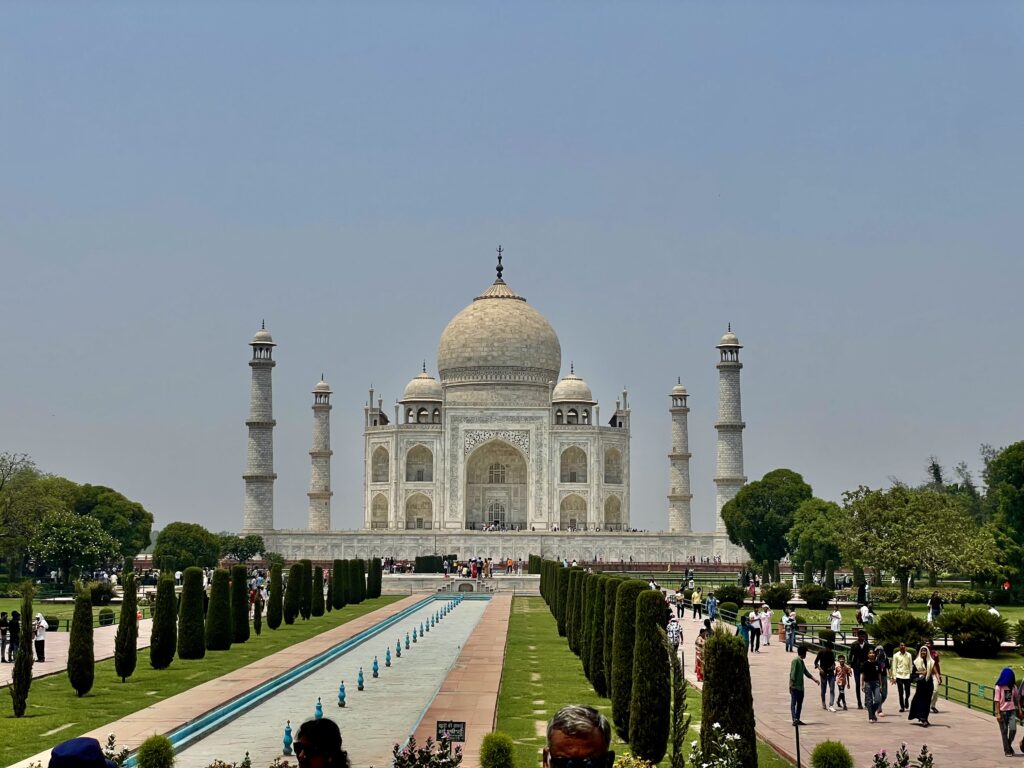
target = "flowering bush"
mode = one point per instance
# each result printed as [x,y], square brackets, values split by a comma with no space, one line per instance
[902,759]
[111,752]
[721,749]
[430,755]
[631,761]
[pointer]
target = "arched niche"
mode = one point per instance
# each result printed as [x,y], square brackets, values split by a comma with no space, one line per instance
[496,486]
[572,512]
[419,512]
[419,465]
[379,511]
[574,465]
[380,469]
[613,513]
[613,466]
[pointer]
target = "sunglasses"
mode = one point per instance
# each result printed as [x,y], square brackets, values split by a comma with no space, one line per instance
[308,750]
[604,761]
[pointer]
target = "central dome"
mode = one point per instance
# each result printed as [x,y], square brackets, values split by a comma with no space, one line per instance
[499,337]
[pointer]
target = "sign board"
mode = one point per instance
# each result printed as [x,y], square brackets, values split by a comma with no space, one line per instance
[453,729]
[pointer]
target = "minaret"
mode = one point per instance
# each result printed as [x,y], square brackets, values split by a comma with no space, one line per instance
[259,476]
[320,481]
[729,469]
[679,467]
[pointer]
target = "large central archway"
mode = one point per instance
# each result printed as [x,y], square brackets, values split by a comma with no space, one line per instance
[496,486]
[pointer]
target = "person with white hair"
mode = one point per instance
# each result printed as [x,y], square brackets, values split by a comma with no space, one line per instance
[39,635]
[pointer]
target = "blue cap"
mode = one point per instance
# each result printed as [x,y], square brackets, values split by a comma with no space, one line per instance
[83,752]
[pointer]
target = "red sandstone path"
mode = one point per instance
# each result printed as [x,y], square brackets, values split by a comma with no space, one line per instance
[57,650]
[958,737]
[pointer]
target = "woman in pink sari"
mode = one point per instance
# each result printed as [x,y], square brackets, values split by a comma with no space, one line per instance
[766,624]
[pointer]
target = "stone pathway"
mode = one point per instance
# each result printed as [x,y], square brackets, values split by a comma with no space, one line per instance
[957,736]
[57,650]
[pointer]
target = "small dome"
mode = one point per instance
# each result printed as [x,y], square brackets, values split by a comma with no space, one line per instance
[729,339]
[572,389]
[423,387]
[322,386]
[679,389]
[262,337]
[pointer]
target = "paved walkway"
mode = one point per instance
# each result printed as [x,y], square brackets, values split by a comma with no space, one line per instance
[957,736]
[470,692]
[57,650]
[169,714]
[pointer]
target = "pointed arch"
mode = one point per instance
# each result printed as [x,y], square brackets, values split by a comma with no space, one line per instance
[419,511]
[380,469]
[572,512]
[613,513]
[613,466]
[379,511]
[419,465]
[574,465]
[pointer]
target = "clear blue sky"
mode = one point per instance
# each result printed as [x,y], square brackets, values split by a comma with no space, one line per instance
[841,181]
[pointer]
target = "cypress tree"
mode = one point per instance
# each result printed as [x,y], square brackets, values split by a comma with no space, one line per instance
[329,598]
[291,593]
[276,597]
[318,591]
[652,678]
[611,590]
[126,639]
[830,574]
[361,580]
[218,615]
[21,680]
[191,621]
[340,579]
[622,653]
[163,640]
[306,595]
[81,662]
[597,619]
[577,613]
[808,572]
[726,698]
[561,599]
[357,580]
[257,616]
[587,621]
[376,578]
[239,604]
[570,603]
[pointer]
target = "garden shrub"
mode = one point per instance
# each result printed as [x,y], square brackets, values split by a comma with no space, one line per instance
[830,575]
[155,752]
[163,639]
[257,616]
[777,596]
[976,633]
[570,605]
[275,598]
[53,622]
[816,596]
[652,692]
[357,580]
[101,592]
[318,592]
[627,760]
[306,593]
[239,604]
[218,615]
[622,653]
[561,601]
[808,572]
[728,608]
[329,596]
[292,592]
[597,619]
[126,639]
[730,593]
[496,750]
[894,627]
[338,590]
[21,677]
[191,621]
[951,597]
[587,621]
[1018,632]
[374,582]
[726,698]
[611,590]
[827,635]
[831,754]
[105,618]
[81,662]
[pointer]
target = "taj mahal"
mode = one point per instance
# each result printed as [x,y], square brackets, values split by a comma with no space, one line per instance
[496,457]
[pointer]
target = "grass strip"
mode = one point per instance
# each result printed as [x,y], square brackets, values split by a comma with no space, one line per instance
[55,713]
[541,675]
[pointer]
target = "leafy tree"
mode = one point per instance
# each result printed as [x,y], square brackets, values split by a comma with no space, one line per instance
[652,680]
[306,595]
[318,591]
[622,653]
[339,577]
[218,614]
[126,639]
[187,544]
[239,604]
[292,593]
[124,519]
[191,621]
[276,598]
[680,723]
[597,619]
[242,548]
[1004,503]
[761,514]
[81,662]
[902,530]
[26,497]
[726,698]
[815,534]
[67,540]
[21,678]
[163,640]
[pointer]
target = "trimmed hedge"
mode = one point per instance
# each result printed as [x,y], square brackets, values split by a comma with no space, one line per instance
[831,754]
[81,662]
[155,752]
[163,640]
[921,595]
[728,608]
[306,594]
[292,593]
[357,576]
[191,616]
[611,591]
[497,750]
[318,592]
[570,607]
[777,596]
[374,579]
[338,585]
[730,593]
[816,596]
[622,653]
[239,604]
[562,600]
[597,618]
[652,678]
[218,615]
[126,654]
[726,698]
[275,605]
[429,564]
[587,620]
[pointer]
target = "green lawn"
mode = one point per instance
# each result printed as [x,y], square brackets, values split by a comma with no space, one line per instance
[541,675]
[55,713]
[63,611]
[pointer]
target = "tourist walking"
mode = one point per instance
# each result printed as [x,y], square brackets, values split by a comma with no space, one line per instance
[766,623]
[920,705]
[15,629]
[754,623]
[39,636]
[835,620]
[934,606]
[797,673]
[900,671]
[743,628]
[698,655]
[1007,707]
[869,677]
[4,625]
[858,655]
[675,634]
[696,600]
[825,663]
[712,606]
[789,627]
[882,660]
[938,674]
[844,676]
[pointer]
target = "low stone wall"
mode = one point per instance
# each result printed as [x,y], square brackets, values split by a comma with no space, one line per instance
[413,583]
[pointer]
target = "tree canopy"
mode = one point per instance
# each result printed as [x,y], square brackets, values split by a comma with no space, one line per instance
[65,540]
[761,514]
[187,544]
[124,519]
[242,548]
[816,534]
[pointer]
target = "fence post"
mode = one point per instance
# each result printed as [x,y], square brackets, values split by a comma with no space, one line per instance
[968,692]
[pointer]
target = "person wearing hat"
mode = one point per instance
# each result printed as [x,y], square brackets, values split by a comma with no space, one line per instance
[39,635]
[83,752]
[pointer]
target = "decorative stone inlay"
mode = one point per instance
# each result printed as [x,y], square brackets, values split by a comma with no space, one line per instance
[520,438]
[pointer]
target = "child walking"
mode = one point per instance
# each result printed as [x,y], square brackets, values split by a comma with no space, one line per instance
[843,675]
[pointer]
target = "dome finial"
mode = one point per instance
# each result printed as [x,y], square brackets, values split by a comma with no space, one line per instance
[728,327]
[424,365]
[679,379]
[500,268]
[572,368]
[263,324]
